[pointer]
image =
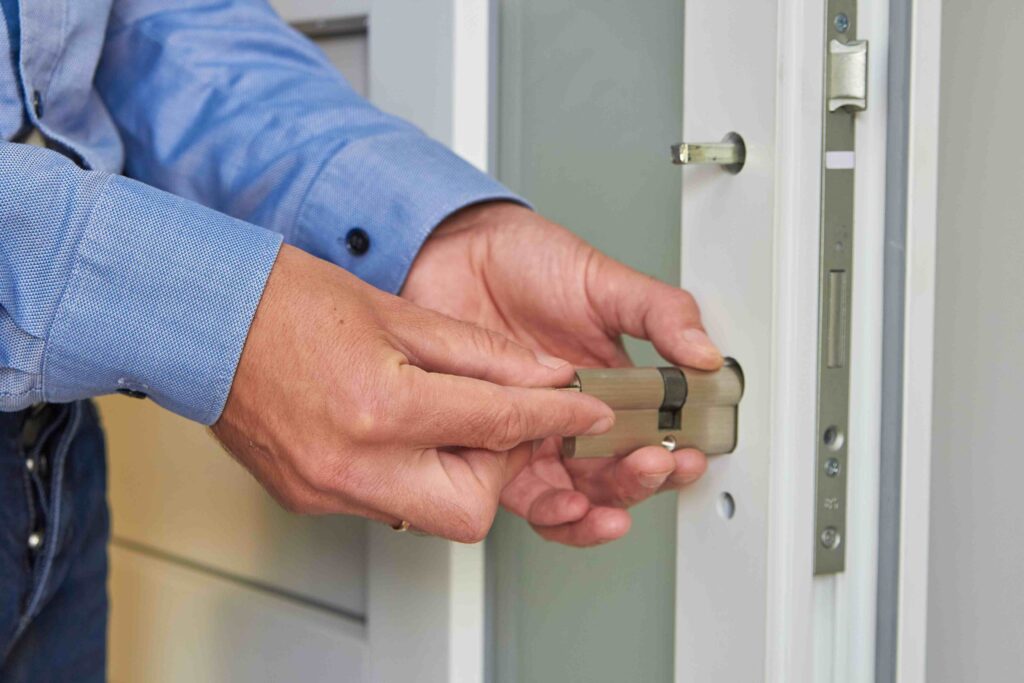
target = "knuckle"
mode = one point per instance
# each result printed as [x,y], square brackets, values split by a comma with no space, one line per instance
[628,497]
[508,429]
[490,343]
[571,416]
[471,524]
[367,422]
[683,299]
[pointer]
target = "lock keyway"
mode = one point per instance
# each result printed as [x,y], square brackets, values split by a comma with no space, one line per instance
[671,407]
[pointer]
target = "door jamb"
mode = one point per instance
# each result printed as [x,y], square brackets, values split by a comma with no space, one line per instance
[431,63]
[919,333]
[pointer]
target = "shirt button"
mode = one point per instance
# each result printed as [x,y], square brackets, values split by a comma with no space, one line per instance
[30,464]
[357,241]
[35,539]
[37,104]
[132,393]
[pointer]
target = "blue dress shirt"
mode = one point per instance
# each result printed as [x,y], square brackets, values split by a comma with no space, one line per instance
[234,132]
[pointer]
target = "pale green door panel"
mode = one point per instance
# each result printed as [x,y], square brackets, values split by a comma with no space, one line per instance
[590,98]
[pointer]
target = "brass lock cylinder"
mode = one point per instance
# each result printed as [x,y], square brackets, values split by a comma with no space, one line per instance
[671,407]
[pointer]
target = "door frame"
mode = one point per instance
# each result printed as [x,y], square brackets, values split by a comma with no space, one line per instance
[919,339]
[755,608]
[433,63]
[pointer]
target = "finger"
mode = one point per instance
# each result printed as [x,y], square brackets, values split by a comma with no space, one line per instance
[445,410]
[600,525]
[438,343]
[494,473]
[630,480]
[556,507]
[690,465]
[451,494]
[638,305]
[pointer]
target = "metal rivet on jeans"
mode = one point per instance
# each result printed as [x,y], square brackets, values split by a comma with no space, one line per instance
[30,464]
[35,539]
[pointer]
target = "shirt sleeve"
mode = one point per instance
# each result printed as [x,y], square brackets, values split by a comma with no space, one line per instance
[109,285]
[222,102]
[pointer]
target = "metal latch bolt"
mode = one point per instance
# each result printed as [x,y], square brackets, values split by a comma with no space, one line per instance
[671,407]
[848,75]
[730,153]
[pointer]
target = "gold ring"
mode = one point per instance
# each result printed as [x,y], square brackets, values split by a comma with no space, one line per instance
[401,526]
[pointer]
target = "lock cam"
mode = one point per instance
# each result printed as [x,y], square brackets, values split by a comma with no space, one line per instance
[671,407]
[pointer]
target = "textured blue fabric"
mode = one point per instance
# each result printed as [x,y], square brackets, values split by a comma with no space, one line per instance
[110,284]
[107,284]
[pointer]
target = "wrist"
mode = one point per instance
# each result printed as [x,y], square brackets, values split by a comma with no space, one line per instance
[488,213]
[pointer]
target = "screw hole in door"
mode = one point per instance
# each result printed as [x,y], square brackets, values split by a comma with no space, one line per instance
[726,505]
[833,438]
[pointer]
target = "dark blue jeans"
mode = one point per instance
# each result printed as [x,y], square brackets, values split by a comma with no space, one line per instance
[53,545]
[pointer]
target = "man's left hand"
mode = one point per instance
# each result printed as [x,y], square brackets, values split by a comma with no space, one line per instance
[506,268]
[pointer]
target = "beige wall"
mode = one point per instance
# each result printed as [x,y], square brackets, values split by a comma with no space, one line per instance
[976,596]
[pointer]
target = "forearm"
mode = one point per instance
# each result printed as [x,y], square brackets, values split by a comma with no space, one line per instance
[222,103]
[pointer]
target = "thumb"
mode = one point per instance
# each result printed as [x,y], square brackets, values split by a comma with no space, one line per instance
[630,302]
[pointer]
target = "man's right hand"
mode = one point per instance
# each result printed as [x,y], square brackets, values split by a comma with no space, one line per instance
[350,400]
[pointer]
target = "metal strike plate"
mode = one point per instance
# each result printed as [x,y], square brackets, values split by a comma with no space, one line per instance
[848,75]
[730,153]
[670,407]
[845,93]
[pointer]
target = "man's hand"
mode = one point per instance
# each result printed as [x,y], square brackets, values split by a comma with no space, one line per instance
[350,400]
[503,267]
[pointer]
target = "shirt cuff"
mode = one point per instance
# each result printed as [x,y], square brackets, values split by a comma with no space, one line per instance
[159,302]
[377,200]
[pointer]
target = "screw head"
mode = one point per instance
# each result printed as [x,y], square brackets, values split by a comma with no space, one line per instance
[830,538]
[841,22]
[832,467]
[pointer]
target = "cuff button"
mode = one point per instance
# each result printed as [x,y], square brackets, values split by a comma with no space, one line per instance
[357,241]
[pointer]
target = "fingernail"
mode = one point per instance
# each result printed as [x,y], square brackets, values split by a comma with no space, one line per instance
[601,426]
[550,361]
[653,481]
[697,337]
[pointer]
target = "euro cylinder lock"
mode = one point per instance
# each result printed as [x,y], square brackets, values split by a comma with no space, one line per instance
[670,407]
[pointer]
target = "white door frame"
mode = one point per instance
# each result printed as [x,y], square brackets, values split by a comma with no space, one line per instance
[431,63]
[748,606]
[919,336]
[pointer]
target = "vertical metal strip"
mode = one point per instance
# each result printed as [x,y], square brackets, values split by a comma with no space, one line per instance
[894,269]
[834,288]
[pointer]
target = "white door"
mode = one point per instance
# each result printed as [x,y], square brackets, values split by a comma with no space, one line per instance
[777,544]
[210,580]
